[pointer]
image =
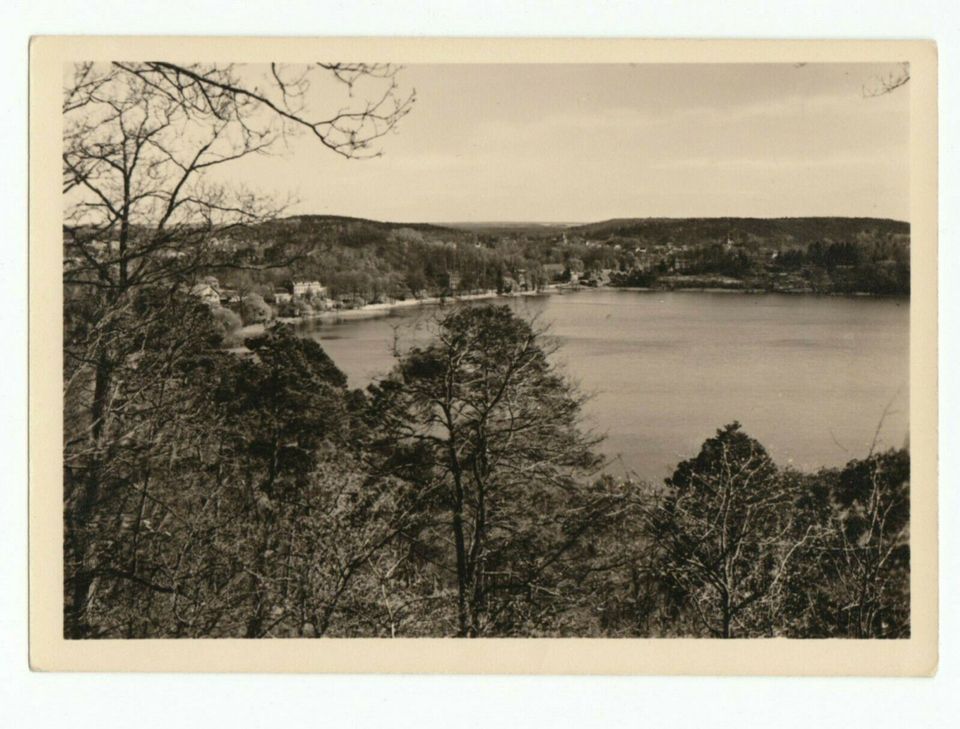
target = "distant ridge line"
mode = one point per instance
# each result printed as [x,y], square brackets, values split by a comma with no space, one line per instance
[575,224]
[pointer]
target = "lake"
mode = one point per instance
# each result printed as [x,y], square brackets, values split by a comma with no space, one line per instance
[809,376]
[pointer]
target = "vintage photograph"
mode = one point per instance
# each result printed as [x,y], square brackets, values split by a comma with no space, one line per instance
[486,350]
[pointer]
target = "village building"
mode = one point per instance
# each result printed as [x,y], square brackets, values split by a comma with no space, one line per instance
[308,288]
[351,301]
[229,296]
[522,279]
[453,281]
[596,277]
[207,291]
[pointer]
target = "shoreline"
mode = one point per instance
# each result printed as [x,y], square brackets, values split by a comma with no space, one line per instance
[375,311]
[756,292]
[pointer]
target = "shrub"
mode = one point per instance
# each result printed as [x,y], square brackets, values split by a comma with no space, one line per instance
[255,310]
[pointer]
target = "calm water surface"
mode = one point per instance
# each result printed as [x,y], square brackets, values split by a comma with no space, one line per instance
[808,376]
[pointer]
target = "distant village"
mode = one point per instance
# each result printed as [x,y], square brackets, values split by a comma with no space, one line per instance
[455,268]
[315,265]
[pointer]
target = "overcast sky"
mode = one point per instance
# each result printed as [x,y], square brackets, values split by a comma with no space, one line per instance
[565,143]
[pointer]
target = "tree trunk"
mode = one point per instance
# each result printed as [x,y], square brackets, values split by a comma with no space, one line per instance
[727,617]
[82,496]
[463,619]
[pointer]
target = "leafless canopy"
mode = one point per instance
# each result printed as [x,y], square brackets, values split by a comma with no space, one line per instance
[146,210]
[142,139]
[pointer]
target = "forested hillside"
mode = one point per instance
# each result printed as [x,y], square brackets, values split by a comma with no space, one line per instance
[770,231]
[376,260]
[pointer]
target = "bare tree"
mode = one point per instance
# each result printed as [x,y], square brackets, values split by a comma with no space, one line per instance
[144,210]
[489,429]
[723,535]
[140,140]
[867,557]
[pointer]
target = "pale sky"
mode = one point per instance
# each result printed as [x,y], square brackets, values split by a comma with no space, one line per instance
[577,143]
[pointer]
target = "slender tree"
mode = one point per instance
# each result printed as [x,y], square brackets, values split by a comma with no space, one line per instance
[490,431]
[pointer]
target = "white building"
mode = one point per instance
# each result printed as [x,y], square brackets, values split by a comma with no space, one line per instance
[309,288]
[207,292]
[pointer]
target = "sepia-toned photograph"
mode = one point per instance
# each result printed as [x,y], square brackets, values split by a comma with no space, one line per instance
[370,348]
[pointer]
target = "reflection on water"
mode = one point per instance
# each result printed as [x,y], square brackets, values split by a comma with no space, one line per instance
[809,376]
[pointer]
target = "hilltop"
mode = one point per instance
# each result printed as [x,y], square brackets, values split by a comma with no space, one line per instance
[777,231]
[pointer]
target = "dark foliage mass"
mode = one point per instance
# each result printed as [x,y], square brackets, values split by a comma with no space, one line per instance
[778,230]
[256,496]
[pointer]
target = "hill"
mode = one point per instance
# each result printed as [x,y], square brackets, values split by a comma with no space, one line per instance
[347,224]
[359,258]
[777,232]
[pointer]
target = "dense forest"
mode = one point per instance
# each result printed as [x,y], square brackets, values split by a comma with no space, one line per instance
[258,496]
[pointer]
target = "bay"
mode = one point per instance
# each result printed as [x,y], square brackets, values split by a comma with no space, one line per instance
[811,377]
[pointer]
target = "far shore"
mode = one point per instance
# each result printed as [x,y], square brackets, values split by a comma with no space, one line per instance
[373,311]
[731,290]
